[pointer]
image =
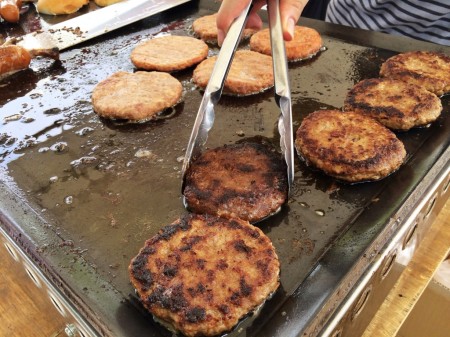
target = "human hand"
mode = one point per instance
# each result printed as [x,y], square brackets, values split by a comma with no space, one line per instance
[290,11]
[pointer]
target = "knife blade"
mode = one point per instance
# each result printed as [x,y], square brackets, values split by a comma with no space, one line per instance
[84,27]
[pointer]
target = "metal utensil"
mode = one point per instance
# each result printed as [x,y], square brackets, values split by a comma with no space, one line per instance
[205,116]
[282,88]
[87,26]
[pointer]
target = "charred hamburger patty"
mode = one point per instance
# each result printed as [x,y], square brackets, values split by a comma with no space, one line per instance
[396,104]
[349,146]
[430,70]
[306,43]
[169,53]
[202,274]
[250,73]
[246,181]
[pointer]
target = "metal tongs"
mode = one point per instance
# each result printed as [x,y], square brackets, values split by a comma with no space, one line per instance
[205,116]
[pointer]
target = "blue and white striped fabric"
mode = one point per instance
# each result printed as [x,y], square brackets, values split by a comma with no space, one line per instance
[427,20]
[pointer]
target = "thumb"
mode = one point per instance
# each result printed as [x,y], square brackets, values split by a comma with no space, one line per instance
[228,11]
[290,11]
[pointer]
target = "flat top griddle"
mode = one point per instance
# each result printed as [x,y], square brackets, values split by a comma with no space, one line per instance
[81,194]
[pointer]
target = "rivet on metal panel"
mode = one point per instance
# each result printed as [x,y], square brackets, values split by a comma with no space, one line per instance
[388,263]
[409,235]
[71,330]
[361,302]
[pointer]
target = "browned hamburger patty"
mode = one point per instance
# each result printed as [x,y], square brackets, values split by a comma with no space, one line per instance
[430,70]
[349,146]
[246,181]
[306,43]
[250,73]
[136,96]
[169,53]
[202,274]
[396,104]
[205,28]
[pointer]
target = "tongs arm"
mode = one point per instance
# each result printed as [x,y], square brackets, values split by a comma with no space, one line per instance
[205,115]
[282,87]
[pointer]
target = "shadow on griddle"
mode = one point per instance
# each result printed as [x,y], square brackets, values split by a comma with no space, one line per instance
[126,125]
[142,323]
[294,64]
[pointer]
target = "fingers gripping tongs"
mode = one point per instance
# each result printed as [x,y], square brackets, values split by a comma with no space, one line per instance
[205,116]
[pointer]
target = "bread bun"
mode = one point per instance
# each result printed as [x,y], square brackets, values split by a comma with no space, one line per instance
[56,7]
[103,3]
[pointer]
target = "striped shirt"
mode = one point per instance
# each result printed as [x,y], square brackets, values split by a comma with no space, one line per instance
[427,20]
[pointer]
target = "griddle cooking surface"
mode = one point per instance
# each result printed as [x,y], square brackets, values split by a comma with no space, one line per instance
[100,188]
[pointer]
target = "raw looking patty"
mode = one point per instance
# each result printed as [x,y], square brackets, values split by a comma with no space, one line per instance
[250,73]
[247,181]
[349,146]
[135,96]
[430,70]
[205,28]
[396,104]
[169,53]
[202,274]
[305,44]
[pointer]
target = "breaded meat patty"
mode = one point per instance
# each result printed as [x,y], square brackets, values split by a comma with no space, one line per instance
[305,44]
[430,70]
[247,181]
[202,274]
[169,53]
[205,28]
[250,73]
[136,96]
[396,104]
[349,146]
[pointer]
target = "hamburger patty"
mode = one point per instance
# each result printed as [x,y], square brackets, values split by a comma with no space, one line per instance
[396,104]
[169,53]
[250,73]
[202,274]
[305,44]
[430,70]
[205,28]
[136,96]
[349,146]
[247,181]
